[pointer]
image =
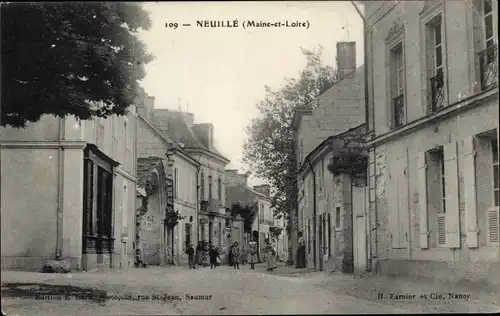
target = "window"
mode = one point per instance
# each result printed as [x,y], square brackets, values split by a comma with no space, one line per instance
[488,57]
[437,160]
[210,187]
[494,148]
[322,174]
[125,134]
[219,188]
[176,183]
[220,234]
[337,217]
[261,212]
[187,231]
[202,185]
[100,133]
[397,85]
[435,64]
[308,235]
[329,235]
[488,23]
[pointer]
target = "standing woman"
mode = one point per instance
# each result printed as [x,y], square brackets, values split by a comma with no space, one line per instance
[252,254]
[205,258]
[199,249]
[301,253]
[270,256]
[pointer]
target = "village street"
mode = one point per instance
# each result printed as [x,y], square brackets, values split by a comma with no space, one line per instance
[224,291]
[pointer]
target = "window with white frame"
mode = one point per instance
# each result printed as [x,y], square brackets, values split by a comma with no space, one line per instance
[488,57]
[398,85]
[202,185]
[435,61]
[437,161]
[210,187]
[176,183]
[489,37]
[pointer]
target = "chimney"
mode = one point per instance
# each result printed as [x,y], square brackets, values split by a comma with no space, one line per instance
[234,178]
[159,119]
[346,58]
[264,189]
[206,133]
[146,107]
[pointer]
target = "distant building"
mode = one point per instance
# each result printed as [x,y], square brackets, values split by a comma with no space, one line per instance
[238,191]
[434,197]
[69,192]
[198,173]
[326,129]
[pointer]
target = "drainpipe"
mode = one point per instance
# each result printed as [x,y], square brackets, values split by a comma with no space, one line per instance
[365,66]
[60,189]
[314,209]
[367,118]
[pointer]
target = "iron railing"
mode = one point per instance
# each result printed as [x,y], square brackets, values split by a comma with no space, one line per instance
[437,92]
[399,110]
[488,64]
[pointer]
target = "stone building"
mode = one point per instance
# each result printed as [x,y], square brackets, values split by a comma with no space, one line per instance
[68,192]
[198,169]
[433,117]
[323,203]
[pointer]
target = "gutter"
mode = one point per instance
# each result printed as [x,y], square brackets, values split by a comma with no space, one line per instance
[314,210]
[369,128]
[365,42]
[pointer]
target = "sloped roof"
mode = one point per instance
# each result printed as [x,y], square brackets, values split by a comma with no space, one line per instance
[181,132]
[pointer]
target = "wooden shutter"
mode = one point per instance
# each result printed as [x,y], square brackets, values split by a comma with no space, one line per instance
[493,231]
[393,201]
[403,212]
[469,175]
[422,199]
[452,192]
[441,229]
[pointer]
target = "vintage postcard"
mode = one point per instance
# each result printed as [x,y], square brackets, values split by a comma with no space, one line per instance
[249,157]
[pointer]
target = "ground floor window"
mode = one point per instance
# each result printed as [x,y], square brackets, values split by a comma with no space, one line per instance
[97,209]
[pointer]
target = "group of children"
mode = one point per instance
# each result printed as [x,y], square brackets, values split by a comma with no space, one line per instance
[206,251]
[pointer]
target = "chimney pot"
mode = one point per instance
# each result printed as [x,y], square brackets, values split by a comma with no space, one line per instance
[346,58]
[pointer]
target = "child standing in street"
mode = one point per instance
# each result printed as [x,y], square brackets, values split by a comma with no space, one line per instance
[236,255]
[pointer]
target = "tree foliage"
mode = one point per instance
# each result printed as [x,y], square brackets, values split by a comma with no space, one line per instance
[80,58]
[270,148]
[247,212]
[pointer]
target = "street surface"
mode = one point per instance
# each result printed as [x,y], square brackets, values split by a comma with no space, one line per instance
[224,291]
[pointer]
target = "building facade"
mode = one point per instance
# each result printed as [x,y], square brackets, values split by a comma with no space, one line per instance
[198,173]
[324,200]
[71,186]
[433,115]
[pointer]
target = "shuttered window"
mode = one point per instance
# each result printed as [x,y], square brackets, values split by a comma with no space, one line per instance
[202,185]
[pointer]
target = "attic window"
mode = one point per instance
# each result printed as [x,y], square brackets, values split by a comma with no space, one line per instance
[181,144]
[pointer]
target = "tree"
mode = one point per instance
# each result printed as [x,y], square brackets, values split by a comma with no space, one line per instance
[247,212]
[270,148]
[80,58]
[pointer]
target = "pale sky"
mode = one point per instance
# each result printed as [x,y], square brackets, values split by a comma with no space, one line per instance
[220,73]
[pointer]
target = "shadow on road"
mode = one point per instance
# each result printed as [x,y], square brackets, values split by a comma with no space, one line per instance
[42,291]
